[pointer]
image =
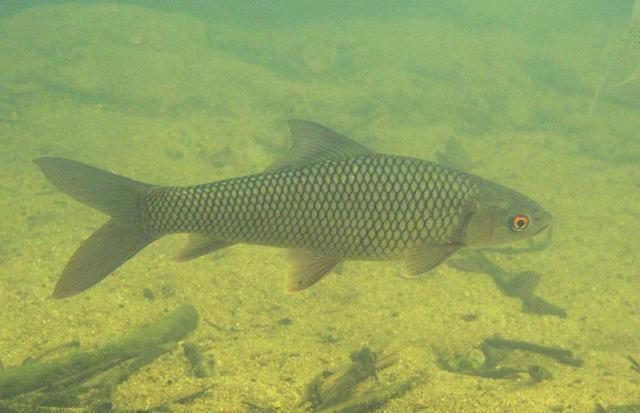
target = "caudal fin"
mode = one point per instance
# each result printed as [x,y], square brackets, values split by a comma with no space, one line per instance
[117,240]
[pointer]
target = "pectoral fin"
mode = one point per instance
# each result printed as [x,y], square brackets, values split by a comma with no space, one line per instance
[426,257]
[307,268]
[199,245]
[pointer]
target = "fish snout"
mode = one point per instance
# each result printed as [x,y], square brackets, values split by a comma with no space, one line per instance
[545,220]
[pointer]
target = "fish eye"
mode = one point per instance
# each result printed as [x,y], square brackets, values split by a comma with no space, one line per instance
[519,222]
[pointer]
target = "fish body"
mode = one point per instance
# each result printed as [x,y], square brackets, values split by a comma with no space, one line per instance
[371,207]
[329,200]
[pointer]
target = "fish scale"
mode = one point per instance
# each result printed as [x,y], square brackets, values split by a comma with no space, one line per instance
[373,207]
[330,199]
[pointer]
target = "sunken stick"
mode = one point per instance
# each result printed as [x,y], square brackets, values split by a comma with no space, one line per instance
[41,375]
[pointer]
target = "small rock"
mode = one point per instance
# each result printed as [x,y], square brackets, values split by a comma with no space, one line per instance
[201,366]
[167,290]
[470,317]
[285,321]
[148,294]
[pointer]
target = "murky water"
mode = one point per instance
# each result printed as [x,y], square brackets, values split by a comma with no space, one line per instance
[183,93]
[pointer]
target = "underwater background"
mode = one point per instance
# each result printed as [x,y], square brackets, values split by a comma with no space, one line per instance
[543,97]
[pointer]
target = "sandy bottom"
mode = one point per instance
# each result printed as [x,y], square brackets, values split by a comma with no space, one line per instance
[268,345]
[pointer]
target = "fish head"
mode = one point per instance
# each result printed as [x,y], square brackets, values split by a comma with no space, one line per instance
[501,215]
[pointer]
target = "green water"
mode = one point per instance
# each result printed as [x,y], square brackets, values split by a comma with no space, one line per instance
[177,93]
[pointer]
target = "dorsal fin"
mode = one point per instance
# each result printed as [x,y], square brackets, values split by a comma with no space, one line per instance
[314,143]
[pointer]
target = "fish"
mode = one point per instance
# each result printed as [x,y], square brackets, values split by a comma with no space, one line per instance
[330,199]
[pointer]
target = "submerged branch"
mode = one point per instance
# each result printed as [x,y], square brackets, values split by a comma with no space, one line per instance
[78,365]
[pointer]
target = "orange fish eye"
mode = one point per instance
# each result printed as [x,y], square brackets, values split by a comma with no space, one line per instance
[519,222]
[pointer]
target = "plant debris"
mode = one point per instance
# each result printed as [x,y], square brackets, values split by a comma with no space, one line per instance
[489,360]
[87,378]
[337,391]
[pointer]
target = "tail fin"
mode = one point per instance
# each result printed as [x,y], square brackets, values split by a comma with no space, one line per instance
[116,241]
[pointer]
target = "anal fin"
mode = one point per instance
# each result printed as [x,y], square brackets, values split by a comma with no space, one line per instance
[307,268]
[425,257]
[199,245]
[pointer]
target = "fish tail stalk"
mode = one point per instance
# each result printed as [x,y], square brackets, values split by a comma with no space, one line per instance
[116,241]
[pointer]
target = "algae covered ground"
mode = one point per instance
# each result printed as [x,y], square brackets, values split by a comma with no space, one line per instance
[179,97]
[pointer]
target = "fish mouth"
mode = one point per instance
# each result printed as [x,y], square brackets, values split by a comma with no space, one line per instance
[547,220]
[543,228]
